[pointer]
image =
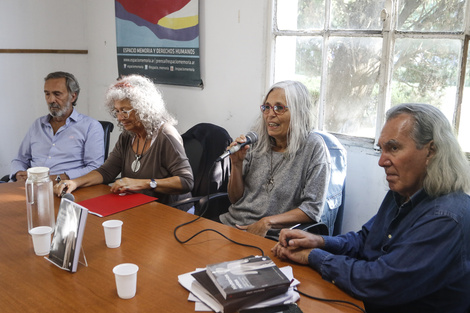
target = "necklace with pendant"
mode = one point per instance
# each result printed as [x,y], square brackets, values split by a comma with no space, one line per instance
[135,166]
[270,182]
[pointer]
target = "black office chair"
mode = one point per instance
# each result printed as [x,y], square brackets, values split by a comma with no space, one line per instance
[203,144]
[108,127]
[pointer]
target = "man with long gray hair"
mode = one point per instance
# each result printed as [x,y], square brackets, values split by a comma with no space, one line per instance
[414,254]
[67,142]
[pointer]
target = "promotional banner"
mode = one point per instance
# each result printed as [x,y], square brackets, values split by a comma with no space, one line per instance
[160,40]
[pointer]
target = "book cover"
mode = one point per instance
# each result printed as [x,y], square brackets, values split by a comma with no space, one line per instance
[233,304]
[244,277]
[68,234]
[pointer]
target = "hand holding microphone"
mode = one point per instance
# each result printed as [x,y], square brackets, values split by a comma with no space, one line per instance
[251,138]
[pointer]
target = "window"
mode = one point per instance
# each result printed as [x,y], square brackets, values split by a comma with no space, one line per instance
[359,57]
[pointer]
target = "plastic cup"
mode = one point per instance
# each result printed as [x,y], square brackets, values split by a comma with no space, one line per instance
[112,233]
[41,239]
[126,280]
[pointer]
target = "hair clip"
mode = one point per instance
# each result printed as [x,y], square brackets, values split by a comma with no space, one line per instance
[122,85]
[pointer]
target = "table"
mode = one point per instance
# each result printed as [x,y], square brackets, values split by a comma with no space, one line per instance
[29,283]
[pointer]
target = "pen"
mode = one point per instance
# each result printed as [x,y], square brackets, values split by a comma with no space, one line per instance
[295,226]
[64,190]
[58,180]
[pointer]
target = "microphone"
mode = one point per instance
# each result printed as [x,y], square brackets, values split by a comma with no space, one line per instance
[251,137]
[68,196]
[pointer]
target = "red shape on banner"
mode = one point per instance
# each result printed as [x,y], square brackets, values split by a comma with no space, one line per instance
[152,10]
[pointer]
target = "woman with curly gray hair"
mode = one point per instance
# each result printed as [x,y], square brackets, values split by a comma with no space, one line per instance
[149,153]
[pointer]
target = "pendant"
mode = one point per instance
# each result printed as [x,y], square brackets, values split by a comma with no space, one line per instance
[135,166]
[270,185]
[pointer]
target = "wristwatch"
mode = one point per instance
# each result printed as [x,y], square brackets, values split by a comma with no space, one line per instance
[153,183]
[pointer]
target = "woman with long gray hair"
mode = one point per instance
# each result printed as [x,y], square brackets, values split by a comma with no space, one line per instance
[282,179]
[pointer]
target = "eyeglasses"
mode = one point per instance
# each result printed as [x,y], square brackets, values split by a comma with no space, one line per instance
[123,113]
[278,109]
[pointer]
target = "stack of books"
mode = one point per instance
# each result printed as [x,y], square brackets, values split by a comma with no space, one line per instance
[253,282]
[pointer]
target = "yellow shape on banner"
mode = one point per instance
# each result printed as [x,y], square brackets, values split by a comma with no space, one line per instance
[179,22]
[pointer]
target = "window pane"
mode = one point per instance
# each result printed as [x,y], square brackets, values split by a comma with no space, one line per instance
[300,14]
[431,15]
[464,128]
[356,14]
[299,58]
[426,71]
[353,73]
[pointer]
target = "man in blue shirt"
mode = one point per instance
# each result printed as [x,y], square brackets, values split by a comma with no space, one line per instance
[414,255]
[65,141]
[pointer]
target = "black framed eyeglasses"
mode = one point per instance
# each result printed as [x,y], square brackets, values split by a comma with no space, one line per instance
[123,113]
[278,109]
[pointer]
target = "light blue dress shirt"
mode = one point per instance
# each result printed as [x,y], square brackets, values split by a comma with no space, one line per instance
[76,149]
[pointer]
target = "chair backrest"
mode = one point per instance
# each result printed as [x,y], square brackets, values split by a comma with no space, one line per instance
[108,128]
[332,214]
[203,144]
[331,219]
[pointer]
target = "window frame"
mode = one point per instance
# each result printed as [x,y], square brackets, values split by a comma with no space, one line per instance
[389,34]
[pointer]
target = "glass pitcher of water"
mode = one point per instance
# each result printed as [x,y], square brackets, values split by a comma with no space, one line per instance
[39,201]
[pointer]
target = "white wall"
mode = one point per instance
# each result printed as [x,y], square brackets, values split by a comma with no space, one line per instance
[30,24]
[233,36]
[365,187]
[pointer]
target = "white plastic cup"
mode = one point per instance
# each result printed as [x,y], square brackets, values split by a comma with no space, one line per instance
[126,280]
[112,233]
[41,239]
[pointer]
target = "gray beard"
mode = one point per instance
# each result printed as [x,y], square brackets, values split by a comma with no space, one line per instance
[61,112]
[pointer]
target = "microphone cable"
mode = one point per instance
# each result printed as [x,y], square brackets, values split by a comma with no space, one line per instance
[330,300]
[204,209]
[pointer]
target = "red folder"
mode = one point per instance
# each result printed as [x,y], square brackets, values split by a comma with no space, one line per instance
[113,203]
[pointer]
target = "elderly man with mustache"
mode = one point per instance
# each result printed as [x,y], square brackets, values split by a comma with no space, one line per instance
[70,144]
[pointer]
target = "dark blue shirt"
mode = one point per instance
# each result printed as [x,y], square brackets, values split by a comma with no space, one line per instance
[413,257]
